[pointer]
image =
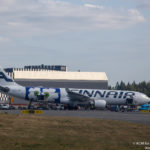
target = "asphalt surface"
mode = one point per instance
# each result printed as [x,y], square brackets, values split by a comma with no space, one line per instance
[138,117]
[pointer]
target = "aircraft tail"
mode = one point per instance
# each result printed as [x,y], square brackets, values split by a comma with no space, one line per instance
[5,80]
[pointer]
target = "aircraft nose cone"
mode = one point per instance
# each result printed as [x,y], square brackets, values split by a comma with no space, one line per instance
[143,100]
[149,100]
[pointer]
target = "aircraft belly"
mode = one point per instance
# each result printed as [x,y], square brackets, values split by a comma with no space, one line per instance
[115,101]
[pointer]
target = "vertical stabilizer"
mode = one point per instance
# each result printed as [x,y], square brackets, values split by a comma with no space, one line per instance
[5,79]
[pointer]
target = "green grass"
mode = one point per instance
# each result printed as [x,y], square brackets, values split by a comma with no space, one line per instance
[30,132]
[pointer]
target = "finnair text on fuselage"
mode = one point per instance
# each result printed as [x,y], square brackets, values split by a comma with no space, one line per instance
[105,93]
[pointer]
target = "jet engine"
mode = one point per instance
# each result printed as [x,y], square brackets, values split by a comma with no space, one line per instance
[100,104]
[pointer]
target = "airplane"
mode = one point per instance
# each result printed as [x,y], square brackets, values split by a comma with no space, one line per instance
[72,97]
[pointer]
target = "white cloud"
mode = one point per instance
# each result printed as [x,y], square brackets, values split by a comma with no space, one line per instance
[136,16]
[36,17]
[94,6]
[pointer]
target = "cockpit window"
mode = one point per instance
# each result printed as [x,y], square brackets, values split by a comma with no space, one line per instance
[145,96]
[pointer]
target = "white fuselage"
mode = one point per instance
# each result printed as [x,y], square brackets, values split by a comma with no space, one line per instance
[60,95]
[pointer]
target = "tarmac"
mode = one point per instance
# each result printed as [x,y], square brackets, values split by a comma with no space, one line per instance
[137,117]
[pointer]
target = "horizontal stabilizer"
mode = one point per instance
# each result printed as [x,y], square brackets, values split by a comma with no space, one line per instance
[4,89]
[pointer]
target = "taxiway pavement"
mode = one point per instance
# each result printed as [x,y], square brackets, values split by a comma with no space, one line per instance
[138,117]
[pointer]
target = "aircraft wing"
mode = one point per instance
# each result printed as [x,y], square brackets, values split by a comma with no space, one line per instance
[77,97]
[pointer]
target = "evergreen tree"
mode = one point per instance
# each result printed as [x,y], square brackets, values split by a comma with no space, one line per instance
[143,87]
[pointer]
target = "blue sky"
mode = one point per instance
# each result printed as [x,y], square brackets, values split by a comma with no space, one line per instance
[88,35]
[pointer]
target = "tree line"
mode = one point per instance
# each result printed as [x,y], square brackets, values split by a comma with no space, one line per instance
[143,87]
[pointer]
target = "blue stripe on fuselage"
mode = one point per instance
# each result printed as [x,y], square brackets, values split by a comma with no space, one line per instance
[27,93]
[41,90]
[58,92]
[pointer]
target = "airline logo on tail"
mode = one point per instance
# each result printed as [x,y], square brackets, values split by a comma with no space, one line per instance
[3,76]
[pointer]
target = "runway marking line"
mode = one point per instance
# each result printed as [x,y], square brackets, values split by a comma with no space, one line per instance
[32,112]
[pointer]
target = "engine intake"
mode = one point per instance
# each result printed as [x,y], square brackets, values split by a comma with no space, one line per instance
[100,104]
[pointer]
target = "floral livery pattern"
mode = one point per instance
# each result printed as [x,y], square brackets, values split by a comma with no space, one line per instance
[50,94]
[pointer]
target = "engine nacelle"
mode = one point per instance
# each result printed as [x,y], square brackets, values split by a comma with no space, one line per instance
[100,104]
